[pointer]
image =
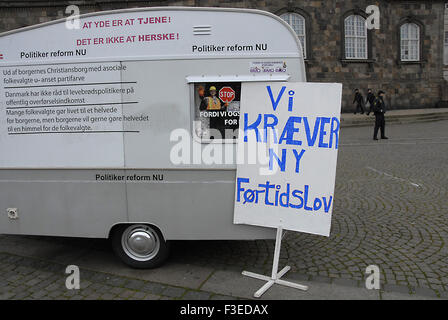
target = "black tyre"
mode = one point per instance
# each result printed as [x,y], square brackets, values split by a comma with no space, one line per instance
[140,246]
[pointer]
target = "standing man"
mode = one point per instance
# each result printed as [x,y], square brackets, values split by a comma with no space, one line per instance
[359,101]
[212,102]
[379,109]
[370,99]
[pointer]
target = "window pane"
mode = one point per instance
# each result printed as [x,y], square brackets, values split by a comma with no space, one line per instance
[361,48]
[355,37]
[360,26]
[414,49]
[404,50]
[410,42]
[297,23]
[302,41]
[404,32]
[349,26]
[413,31]
[349,48]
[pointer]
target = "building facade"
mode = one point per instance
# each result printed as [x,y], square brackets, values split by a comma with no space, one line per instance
[404,57]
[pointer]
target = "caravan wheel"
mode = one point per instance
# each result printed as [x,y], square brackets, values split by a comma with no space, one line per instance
[140,246]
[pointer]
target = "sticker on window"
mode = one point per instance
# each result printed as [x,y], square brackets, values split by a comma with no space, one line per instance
[267,67]
[217,110]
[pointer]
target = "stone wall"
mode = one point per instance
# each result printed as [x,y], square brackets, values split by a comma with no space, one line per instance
[416,85]
[445,70]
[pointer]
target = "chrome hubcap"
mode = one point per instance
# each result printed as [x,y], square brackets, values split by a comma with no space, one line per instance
[140,242]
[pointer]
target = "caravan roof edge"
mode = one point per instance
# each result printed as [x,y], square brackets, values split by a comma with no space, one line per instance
[173,8]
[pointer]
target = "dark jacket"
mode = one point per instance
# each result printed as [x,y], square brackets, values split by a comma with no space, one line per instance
[358,99]
[379,106]
[370,99]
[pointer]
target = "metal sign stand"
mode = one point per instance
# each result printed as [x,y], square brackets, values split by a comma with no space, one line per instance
[275,277]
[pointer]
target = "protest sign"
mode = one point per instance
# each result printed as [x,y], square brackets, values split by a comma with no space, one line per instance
[293,130]
[297,126]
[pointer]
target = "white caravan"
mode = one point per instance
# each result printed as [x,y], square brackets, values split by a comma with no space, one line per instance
[107,123]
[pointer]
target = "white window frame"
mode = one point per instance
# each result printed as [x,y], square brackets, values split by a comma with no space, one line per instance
[405,43]
[354,19]
[288,17]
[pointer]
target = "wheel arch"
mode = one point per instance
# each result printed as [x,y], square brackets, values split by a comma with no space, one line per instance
[117,225]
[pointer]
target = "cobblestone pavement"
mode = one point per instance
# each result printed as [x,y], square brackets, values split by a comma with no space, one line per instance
[31,279]
[391,210]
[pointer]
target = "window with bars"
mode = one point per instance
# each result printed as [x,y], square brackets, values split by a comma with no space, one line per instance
[410,42]
[297,23]
[355,32]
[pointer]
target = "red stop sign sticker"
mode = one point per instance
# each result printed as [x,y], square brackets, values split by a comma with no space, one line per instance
[226,94]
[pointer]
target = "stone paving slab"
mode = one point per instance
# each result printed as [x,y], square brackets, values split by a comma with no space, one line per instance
[184,275]
[34,279]
[234,284]
[33,247]
[402,296]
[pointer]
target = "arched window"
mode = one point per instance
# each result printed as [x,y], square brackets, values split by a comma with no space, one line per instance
[297,22]
[355,32]
[409,42]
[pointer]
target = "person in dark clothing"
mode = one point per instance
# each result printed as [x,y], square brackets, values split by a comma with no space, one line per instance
[370,99]
[359,101]
[379,109]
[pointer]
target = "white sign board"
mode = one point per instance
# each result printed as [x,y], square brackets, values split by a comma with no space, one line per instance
[293,130]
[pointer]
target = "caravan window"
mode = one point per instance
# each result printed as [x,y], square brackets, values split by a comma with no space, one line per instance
[216,110]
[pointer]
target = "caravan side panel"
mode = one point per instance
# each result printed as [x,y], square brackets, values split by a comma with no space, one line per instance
[86,107]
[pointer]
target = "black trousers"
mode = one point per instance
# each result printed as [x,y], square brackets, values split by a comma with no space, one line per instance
[380,123]
[359,107]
